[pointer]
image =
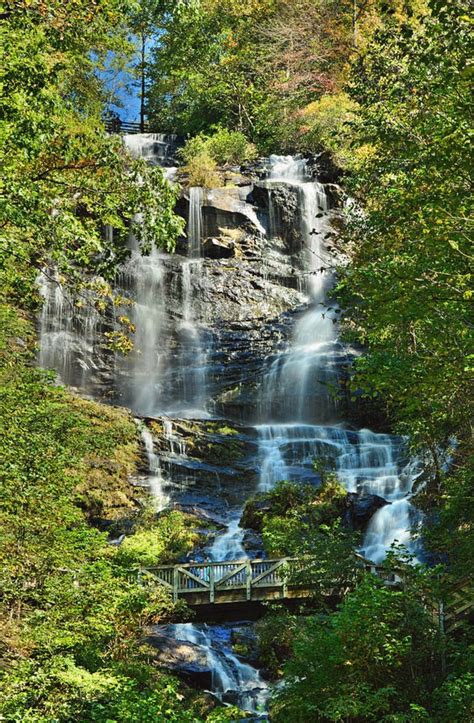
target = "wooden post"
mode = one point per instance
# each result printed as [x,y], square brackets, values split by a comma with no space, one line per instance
[286,568]
[442,632]
[175,584]
[212,591]
[248,581]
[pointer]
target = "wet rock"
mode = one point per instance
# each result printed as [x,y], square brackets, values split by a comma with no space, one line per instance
[279,205]
[325,168]
[188,660]
[360,509]
[252,544]
[214,248]
[244,642]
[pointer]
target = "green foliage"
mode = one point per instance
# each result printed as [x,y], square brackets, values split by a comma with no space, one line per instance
[408,287]
[276,632]
[255,65]
[170,537]
[304,521]
[372,660]
[230,147]
[71,615]
[204,154]
[63,178]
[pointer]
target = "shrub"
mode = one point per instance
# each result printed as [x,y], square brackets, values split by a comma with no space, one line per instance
[203,154]
[170,537]
[230,147]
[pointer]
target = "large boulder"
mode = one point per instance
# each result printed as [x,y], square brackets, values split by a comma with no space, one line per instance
[360,508]
[188,660]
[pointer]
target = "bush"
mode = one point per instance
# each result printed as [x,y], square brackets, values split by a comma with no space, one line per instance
[203,154]
[276,632]
[202,171]
[170,537]
[230,147]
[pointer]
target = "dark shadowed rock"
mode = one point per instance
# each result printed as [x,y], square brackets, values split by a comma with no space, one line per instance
[215,248]
[187,660]
[360,509]
[254,511]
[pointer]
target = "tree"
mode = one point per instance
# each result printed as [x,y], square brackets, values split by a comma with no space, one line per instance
[408,284]
[63,178]
[374,659]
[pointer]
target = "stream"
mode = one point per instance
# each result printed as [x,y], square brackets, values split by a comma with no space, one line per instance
[199,361]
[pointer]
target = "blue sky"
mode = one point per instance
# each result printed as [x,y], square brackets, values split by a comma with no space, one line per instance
[126,88]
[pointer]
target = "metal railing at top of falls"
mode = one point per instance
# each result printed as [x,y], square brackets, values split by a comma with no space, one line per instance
[238,580]
[115,125]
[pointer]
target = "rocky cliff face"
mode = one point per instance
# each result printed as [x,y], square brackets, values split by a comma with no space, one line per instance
[245,292]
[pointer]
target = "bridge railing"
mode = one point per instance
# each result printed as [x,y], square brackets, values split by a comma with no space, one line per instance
[251,577]
[115,125]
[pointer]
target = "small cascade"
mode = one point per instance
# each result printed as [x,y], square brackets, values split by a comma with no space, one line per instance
[157,149]
[176,443]
[232,680]
[229,545]
[195,222]
[155,479]
[67,330]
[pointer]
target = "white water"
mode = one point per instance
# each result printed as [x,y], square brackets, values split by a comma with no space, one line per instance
[140,373]
[154,148]
[195,221]
[155,478]
[67,332]
[229,545]
[298,414]
[229,674]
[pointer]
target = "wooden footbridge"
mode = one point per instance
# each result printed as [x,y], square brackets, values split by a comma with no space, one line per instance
[247,581]
[242,580]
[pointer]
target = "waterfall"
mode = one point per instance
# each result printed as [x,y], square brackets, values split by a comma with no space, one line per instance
[296,384]
[232,680]
[154,148]
[67,331]
[140,374]
[298,415]
[297,418]
[155,478]
[229,545]
[195,221]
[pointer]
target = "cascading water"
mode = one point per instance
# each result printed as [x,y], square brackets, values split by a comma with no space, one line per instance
[154,148]
[296,401]
[298,418]
[155,477]
[232,680]
[140,374]
[67,332]
[193,356]
[195,221]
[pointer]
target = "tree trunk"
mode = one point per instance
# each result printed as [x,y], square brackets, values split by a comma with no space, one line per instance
[142,82]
